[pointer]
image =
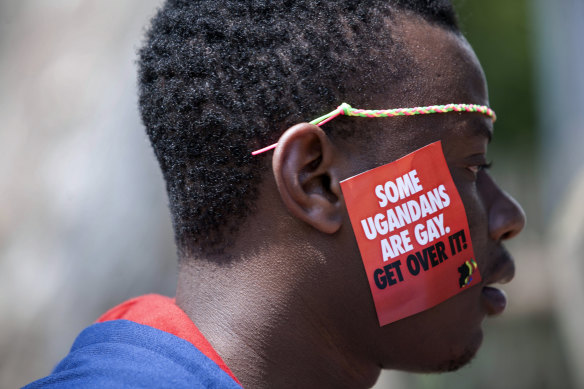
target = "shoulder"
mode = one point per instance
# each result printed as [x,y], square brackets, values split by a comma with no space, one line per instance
[122,353]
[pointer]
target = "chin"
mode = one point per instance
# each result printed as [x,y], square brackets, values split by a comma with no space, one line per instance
[458,362]
[461,358]
[445,357]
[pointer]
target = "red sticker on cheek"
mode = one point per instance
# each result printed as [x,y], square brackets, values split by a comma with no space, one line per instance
[412,233]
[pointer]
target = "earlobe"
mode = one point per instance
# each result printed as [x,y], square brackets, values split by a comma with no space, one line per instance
[304,167]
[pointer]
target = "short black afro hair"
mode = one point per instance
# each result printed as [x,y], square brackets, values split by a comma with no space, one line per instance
[221,78]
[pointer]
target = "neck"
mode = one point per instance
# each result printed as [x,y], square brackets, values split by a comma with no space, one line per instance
[266,327]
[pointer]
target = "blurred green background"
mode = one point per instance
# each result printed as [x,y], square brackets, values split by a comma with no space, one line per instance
[501,33]
[77,173]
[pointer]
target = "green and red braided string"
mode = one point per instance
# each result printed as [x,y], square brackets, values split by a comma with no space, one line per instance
[347,110]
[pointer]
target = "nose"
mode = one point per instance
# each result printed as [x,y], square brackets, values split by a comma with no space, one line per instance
[506,217]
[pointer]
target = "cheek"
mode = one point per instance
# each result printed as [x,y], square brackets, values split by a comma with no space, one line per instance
[448,335]
[476,215]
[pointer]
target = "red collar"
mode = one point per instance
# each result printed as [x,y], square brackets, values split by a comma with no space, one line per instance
[161,312]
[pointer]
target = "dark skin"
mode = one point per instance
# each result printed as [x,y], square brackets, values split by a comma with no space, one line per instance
[293,306]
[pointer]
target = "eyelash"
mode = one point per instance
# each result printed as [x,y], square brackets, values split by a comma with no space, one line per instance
[484,166]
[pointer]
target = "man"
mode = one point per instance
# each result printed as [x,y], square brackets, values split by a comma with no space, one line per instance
[272,290]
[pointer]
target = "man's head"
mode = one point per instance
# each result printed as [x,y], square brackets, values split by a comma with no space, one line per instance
[297,246]
[219,79]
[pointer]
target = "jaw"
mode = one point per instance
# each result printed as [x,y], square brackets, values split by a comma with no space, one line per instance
[443,338]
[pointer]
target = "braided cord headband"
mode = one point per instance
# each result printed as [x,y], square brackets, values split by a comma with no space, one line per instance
[347,110]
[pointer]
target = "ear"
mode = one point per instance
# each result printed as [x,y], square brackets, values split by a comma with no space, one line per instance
[306,175]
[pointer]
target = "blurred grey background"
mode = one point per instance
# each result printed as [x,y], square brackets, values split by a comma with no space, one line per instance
[84,223]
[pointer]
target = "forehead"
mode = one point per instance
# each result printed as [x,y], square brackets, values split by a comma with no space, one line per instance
[446,69]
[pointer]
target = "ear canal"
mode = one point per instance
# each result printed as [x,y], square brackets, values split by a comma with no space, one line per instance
[321,184]
[326,184]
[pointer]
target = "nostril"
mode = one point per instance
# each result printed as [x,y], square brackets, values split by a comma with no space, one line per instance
[510,234]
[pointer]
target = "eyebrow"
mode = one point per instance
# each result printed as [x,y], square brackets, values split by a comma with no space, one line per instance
[480,128]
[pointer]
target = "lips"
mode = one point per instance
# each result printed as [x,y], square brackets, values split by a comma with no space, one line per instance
[495,299]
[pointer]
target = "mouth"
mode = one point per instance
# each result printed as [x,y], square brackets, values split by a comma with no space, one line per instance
[494,299]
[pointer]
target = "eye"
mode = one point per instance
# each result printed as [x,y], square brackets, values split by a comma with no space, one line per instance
[475,169]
